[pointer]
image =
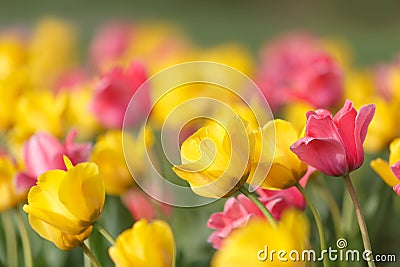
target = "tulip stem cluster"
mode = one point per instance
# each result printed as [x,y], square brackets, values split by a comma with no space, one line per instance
[259,204]
[104,233]
[26,246]
[11,239]
[318,221]
[90,255]
[359,215]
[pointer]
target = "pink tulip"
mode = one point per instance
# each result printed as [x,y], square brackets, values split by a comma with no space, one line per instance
[114,92]
[396,189]
[43,152]
[396,171]
[296,68]
[142,206]
[334,146]
[238,211]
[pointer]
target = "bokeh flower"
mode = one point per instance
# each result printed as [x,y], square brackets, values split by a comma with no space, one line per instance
[43,152]
[389,171]
[240,210]
[334,146]
[145,244]
[10,195]
[108,154]
[63,206]
[297,67]
[114,92]
[247,245]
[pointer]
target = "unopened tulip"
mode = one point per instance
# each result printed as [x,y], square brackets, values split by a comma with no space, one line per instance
[334,145]
[64,205]
[145,244]
[253,244]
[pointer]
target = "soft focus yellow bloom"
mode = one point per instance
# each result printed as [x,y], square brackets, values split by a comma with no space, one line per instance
[286,169]
[64,204]
[382,167]
[36,111]
[215,160]
[295,113]
[145,245]
[10,197]
[77,113]
[108,154]
[246,245]
[384,126]
[12,56]
[51,52]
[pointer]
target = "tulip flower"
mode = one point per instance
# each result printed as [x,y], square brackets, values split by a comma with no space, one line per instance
[385,169]
[286,169]
[240,210]
[252,244]
[10,195]
[63,206]
[142,206]
[108,154]
[145,244]
[43,152]
[215,160]
[296,67]
[334,145]
[113,93]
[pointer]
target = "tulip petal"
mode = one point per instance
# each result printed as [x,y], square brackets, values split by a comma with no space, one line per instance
[321,125]
[382,168]
[326,155]
[396,170]
[87,203]
[286,177]
[394,151]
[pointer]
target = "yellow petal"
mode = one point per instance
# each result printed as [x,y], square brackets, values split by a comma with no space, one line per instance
[394,151]
[82,192]
[67,162]
[382,168]
[279,177]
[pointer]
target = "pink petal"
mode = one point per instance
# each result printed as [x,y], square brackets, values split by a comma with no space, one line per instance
[396,189]
[76,152]
[345,121]
[41,153]
[24,182]
[320,125]
[396,169]
[326,155]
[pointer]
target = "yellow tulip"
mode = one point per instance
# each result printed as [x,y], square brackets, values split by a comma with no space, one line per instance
[145,244]
[108,154]
[286,169]
[215,160]
[252,244]
[12,56]
[10,196]
[64,204]
[52,51]
[382,167]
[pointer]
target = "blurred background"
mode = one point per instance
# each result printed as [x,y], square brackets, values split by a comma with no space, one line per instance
[371,27]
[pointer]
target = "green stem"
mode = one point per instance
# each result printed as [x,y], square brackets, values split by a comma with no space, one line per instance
[333,208]
[26,246]
[104,233]
[86,260]
[90,255]
[359,215]
[260,205]
[11,239]
[318,222]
